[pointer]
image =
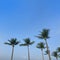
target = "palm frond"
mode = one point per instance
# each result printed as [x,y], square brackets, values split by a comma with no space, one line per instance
[40,37]
[43,34]
[40,45]
[32,42]
[55,54]
[7,43]
[23,44]
[27,42]
[17,42]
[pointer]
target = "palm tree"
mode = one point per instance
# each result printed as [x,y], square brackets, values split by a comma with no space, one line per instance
[44,35]
[41,46]
[27,43]
[55,54]
[12,43]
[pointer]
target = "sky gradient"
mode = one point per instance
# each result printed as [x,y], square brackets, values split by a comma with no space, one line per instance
[25,18]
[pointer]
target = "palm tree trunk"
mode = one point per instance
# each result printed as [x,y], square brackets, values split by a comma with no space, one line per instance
[48,50]
[42,54]
[12,52]
[28,53]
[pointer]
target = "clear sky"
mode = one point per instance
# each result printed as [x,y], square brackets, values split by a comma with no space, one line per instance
[25,18]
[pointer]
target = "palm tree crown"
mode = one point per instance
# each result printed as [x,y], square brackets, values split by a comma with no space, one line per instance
[55,54]
[44,34]
[27,42]
[46,52]
[40,45]
[12,42]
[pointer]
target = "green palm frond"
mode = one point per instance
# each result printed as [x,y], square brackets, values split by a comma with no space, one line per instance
[40,37]
[46,52]
[43,34]
[12,41]
[27,42]
[32,42]
[17,42]
[7,43]
[23,44]
[55,54]
[40,45]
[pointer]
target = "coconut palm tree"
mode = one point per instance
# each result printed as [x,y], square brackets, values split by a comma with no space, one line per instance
[41,46]
[44,35]
[27,42]
[12,43]
[55,54]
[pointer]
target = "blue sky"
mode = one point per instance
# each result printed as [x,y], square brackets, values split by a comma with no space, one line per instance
[25,18]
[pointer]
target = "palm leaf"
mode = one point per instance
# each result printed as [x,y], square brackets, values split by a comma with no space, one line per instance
[17,42]
[40,45]
[43,34]
[12,41]
[55,54]
[23,44]
[46,52]
[7,43]
[27,42]
[31,42]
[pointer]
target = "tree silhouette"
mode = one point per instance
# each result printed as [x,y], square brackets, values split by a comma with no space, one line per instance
[41,46]
[27,42]
[12,43]
[55,54]
[45,35]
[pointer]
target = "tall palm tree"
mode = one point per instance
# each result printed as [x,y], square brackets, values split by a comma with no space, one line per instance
[55,54]
[41,46]
[44,35]
[12,43]
[27,42]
